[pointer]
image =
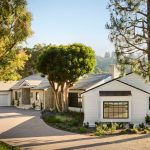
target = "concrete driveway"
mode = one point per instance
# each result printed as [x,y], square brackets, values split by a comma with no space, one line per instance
[25,129]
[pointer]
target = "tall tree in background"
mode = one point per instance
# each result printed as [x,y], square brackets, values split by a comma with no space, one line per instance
[130,32]
[64,65]
[30,66]
[15,22]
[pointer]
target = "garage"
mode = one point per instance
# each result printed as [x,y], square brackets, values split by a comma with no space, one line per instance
[4,99]
[5,92]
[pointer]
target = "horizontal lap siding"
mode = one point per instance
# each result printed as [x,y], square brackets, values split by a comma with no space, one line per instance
[139,106]
[91,109]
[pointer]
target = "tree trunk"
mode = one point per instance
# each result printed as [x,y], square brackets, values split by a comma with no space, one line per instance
[56,101]
[64,98]
[148,27]
[60,96]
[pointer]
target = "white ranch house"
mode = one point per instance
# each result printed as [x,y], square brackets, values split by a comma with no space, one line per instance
[36,90]
[123,99]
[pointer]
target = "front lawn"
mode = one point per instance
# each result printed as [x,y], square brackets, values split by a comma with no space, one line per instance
[70,121]
[4,146]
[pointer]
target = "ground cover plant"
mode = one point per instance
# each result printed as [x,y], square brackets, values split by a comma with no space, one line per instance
[68,121]
[73,122]
[4,146]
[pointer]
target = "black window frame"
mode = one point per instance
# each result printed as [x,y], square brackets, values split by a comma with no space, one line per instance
[127,102]
[73,100]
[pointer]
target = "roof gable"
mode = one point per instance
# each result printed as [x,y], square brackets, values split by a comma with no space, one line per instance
[24,83]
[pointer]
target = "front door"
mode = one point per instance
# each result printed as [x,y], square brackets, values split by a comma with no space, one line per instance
[25,95]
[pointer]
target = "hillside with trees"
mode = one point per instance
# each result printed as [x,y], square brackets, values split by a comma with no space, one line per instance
[103,63]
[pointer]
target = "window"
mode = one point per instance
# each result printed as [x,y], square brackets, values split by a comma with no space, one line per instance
[115,110]
[75,100]
[37,96]
[16,95]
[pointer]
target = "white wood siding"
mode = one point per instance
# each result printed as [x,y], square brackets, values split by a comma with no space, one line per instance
[40,100]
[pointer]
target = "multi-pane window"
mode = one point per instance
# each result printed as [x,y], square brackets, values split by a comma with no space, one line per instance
[75,100]
[115,110]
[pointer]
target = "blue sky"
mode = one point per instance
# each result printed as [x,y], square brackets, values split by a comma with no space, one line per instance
[70,21]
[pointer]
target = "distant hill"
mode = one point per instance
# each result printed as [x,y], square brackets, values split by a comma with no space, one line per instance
[103,63]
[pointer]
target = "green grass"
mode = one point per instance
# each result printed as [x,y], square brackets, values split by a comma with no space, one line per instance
[4,146]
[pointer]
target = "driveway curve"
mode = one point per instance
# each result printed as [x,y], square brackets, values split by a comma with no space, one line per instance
[25,128]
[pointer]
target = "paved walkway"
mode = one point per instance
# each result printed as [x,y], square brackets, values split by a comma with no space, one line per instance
[25,129]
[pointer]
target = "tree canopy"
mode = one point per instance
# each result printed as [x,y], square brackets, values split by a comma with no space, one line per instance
[30,65]
[15,22]
[130,32]
[64,65]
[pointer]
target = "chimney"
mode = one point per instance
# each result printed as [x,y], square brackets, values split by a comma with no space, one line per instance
[114,71]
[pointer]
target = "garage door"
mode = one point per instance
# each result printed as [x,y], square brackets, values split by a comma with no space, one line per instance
[4,100]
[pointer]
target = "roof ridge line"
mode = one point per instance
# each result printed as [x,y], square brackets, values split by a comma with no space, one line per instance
[133,86]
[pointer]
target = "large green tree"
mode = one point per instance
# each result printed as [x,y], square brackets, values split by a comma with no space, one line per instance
[64,65]
[15,22]
[30,65]
[130,32]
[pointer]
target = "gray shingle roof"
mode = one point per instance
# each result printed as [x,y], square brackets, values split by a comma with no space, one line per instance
[37,82]
[89,80]
[33,80]
[43,85]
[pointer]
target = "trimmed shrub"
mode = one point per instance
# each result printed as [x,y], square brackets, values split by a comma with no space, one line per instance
[99,131]
[82,129]
[142,126]
[130,131]
[121,125]
[18,103]
[86,125]
[147,119]
[33,105]
[105,127]
[131,125]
